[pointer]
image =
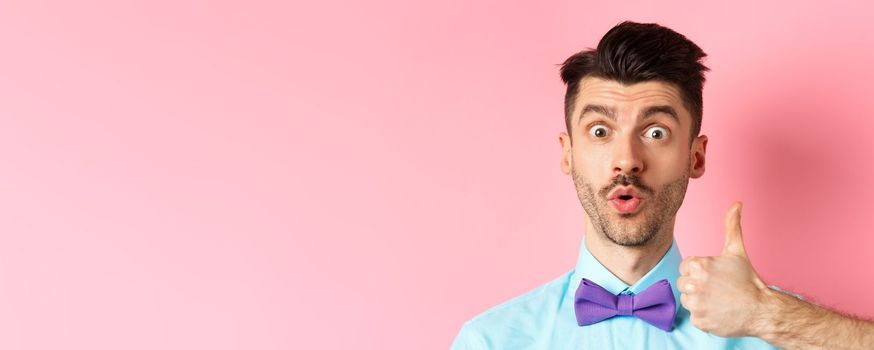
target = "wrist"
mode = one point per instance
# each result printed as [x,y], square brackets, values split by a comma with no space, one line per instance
[763,324]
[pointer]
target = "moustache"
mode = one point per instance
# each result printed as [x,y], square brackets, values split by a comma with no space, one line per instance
[626,180]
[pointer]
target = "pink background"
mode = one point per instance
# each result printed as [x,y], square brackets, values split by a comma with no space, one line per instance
[371,174]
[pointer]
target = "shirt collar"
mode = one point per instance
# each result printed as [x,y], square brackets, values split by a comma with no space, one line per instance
[589,267]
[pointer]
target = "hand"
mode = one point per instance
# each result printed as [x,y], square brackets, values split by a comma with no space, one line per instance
[723,293]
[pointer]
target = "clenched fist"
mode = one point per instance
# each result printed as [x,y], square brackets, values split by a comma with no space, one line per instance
[723,293]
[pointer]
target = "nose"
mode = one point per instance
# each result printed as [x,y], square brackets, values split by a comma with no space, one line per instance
[627,156]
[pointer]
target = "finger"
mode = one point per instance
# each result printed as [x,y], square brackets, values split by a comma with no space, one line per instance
[684,300]
[684,285]
[693,265]
[685,269]
[733,236]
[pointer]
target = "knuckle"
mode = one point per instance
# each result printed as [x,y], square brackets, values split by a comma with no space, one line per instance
[700,321]
[691,303]
[684,299]
[687,285]
[681,284]
[696,320]
[684,267]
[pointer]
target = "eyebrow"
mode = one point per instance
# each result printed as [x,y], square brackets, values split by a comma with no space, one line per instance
[648,112]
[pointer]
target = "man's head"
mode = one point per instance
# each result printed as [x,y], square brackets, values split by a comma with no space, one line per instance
[633,112]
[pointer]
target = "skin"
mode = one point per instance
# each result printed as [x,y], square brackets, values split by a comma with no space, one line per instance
[653,154]
[726,297]
[724,294]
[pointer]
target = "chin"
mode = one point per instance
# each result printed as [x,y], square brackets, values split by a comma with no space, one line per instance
[634,239]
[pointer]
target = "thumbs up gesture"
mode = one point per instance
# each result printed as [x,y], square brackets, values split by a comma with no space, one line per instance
[723,294]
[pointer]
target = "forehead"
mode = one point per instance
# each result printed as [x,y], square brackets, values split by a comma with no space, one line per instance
[611,93]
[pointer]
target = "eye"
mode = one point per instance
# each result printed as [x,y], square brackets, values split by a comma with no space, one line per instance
[657,132]
[598,131]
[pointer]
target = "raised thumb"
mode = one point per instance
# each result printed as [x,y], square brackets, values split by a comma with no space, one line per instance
[734,243]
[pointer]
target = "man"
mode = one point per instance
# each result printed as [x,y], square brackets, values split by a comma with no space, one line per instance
[633,111]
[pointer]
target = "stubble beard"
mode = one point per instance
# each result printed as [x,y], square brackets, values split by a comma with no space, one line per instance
[635,229]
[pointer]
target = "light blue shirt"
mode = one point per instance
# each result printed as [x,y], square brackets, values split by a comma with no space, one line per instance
[544,318]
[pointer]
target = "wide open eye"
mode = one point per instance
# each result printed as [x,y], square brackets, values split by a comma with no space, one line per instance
[657,132]
[598,131]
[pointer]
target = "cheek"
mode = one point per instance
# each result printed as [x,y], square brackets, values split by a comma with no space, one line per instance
[668,167]
[589,160]
[593,166]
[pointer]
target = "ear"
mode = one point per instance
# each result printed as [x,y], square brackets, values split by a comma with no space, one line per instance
[566,153]
[699,149]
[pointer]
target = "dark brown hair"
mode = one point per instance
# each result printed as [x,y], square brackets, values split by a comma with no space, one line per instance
[636,52]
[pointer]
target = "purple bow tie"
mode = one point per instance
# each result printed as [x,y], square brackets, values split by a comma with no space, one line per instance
[655,305]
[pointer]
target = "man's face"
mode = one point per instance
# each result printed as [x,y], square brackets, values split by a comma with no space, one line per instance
[633,138]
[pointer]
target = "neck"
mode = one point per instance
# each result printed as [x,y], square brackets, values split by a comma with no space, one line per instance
[629,263]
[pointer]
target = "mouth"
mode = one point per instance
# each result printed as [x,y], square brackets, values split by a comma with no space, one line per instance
[626,204]
[625,200]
